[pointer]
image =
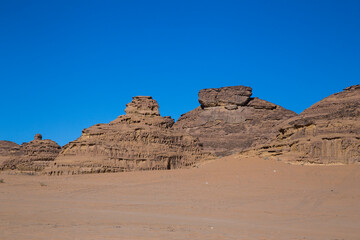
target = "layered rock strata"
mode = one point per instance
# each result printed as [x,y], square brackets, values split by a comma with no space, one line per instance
[326,133]
[139,140]
[229,120]
[32,156]
[8,150]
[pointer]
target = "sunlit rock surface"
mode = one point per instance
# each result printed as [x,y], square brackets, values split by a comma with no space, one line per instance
[229,120]
[33,156]
[139,140]
[326,133]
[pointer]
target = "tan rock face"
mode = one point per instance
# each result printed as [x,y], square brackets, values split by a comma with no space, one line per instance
[32,156]
[327,132]
[8,150]
[139,140]
[142,105]
[229,120]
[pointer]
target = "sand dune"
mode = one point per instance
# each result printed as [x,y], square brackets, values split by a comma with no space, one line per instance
[229,198]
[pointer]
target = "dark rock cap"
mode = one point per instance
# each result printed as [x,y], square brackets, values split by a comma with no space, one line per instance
[38,136]
[354,87]
[236,95]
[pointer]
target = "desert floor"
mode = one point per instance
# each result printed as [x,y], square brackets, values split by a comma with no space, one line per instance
[229,198]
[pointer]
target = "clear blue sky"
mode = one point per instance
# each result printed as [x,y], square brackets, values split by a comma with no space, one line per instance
[66,65]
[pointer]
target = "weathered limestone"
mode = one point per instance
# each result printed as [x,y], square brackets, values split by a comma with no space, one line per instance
[139,140]
[230,121]
[326,133]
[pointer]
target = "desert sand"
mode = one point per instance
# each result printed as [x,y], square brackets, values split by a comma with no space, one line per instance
[227,198]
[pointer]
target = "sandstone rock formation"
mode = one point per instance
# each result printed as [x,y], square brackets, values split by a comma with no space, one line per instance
[7,151]
[32,156]
[327,132]
[139,140]
[229,120]
[237,96]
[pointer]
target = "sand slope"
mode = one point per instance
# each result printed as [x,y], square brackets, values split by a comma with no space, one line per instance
[228,198]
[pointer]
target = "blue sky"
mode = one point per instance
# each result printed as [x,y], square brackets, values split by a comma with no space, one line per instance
[66,65]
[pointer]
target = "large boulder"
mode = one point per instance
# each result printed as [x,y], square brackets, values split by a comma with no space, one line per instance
[326,133]
[237,95]
[139,140]
[229,120]
[32,156]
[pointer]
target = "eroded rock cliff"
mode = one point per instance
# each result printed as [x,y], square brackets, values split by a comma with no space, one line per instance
[326,133]
[7,151]
[229,120]
[139,140]
[32,156]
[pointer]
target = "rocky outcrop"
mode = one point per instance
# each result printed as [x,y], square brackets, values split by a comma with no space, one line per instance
[237,96]
[8,150]
[229,120]
[139,140]
[32,156]
[326,133]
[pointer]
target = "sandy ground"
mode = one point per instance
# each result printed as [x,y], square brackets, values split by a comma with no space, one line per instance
[228,198]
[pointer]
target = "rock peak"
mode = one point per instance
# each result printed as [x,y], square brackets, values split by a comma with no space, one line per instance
[139,140]
[235,95]
[142,105]
[230,120]
[38,136]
